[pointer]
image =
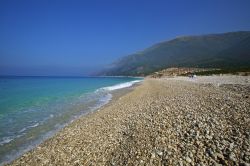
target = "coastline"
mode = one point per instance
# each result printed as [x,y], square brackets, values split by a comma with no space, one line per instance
[161,121]
[114,92]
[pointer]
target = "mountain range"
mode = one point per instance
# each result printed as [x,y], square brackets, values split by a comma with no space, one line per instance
[226,50]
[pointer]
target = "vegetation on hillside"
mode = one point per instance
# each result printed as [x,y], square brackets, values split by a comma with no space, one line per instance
[228,51]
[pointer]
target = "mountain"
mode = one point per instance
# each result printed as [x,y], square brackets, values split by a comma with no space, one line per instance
[225,50]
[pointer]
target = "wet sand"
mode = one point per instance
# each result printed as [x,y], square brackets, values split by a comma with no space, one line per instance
[164,121]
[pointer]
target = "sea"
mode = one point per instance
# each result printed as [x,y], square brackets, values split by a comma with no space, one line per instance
[32,109]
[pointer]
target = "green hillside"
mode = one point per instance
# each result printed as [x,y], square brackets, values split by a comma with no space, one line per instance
[228,50]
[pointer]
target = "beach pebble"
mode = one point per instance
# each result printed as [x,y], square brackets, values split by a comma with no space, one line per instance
[188,159]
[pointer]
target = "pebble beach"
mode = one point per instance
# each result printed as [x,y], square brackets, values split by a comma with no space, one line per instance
[163,121]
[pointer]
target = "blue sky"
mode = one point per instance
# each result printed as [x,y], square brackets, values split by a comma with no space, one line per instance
[59,37]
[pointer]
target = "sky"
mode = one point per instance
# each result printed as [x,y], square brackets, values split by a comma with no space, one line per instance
[78,37]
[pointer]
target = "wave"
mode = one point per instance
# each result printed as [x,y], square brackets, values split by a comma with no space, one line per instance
[28,127]
[121,85]
[5,140]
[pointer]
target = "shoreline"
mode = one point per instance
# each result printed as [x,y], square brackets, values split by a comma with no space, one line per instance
[17,153]
[159,122]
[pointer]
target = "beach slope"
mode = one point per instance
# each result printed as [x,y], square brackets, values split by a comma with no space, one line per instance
[165,121]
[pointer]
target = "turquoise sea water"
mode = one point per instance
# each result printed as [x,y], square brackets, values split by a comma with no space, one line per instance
[33,108]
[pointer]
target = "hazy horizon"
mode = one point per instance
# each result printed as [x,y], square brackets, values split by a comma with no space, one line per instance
[76,38]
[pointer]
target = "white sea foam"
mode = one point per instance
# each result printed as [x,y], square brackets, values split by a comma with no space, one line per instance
[22,130]
[120,86]
[5,140]
[28,127]
[35,125]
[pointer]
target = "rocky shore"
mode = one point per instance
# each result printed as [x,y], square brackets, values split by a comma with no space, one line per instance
[164,121]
